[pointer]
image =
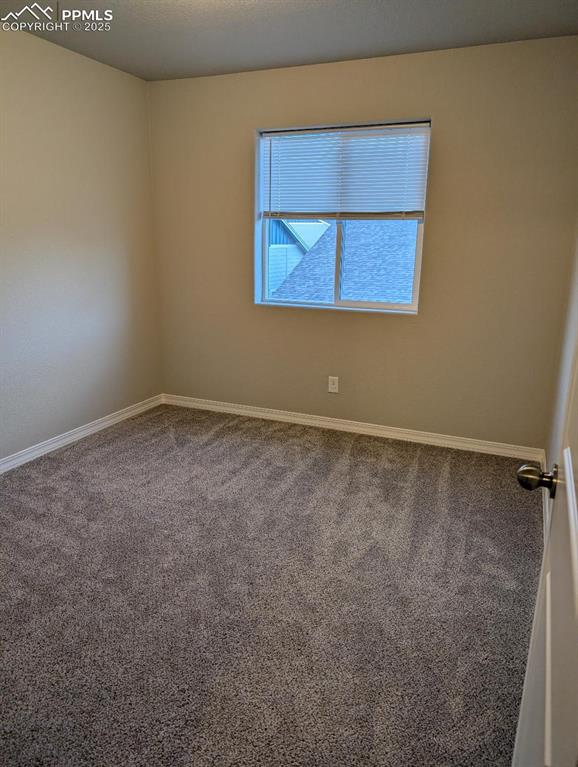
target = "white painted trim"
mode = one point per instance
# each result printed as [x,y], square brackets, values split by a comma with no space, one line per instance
[54,443]
[546,513]
[548,670]
[251,411]
[358,427]
[572,501]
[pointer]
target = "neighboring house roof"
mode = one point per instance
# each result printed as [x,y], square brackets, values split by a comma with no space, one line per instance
[378,265]
[304,234]
[307,233]
[312,278]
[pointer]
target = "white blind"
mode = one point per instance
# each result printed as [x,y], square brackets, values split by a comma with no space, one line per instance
[381,169]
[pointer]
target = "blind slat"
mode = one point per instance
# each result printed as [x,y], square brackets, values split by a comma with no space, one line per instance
[361,170]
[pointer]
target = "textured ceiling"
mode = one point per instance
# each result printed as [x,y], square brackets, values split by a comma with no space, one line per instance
[163,39]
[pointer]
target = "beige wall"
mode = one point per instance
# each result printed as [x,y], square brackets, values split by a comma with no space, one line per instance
[78,316]
[479,360]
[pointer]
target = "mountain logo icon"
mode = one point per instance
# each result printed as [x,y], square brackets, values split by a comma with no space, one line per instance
[35,10]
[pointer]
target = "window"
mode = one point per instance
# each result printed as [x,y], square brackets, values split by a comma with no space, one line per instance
[339,218]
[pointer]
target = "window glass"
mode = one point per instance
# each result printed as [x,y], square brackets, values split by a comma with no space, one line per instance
[378,261]
[301,261]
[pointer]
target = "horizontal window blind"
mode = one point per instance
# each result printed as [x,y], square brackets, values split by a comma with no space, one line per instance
[381,169]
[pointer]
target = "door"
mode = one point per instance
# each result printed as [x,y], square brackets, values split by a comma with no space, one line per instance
[548,726]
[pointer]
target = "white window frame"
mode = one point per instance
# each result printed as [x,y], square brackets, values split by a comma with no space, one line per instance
[260,250]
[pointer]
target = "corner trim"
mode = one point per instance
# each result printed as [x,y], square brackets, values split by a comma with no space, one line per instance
[61,440]
[358,427]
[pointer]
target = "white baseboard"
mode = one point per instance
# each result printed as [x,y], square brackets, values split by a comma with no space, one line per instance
[54,443]
[357,427]
[322,422]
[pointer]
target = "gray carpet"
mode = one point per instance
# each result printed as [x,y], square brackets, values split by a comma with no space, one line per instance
[191,588]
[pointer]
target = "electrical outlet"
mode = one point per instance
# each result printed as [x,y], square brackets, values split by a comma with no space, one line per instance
[333,384]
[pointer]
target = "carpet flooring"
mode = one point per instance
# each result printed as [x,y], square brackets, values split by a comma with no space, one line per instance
[193,588]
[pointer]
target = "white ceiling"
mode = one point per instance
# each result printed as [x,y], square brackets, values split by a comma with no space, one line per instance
[164,39]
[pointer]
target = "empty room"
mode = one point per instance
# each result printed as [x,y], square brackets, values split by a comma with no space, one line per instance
[289,383]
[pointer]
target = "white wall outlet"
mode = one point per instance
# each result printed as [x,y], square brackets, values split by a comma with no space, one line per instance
[333,384]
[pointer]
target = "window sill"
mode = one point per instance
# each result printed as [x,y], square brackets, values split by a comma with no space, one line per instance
[406,311]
